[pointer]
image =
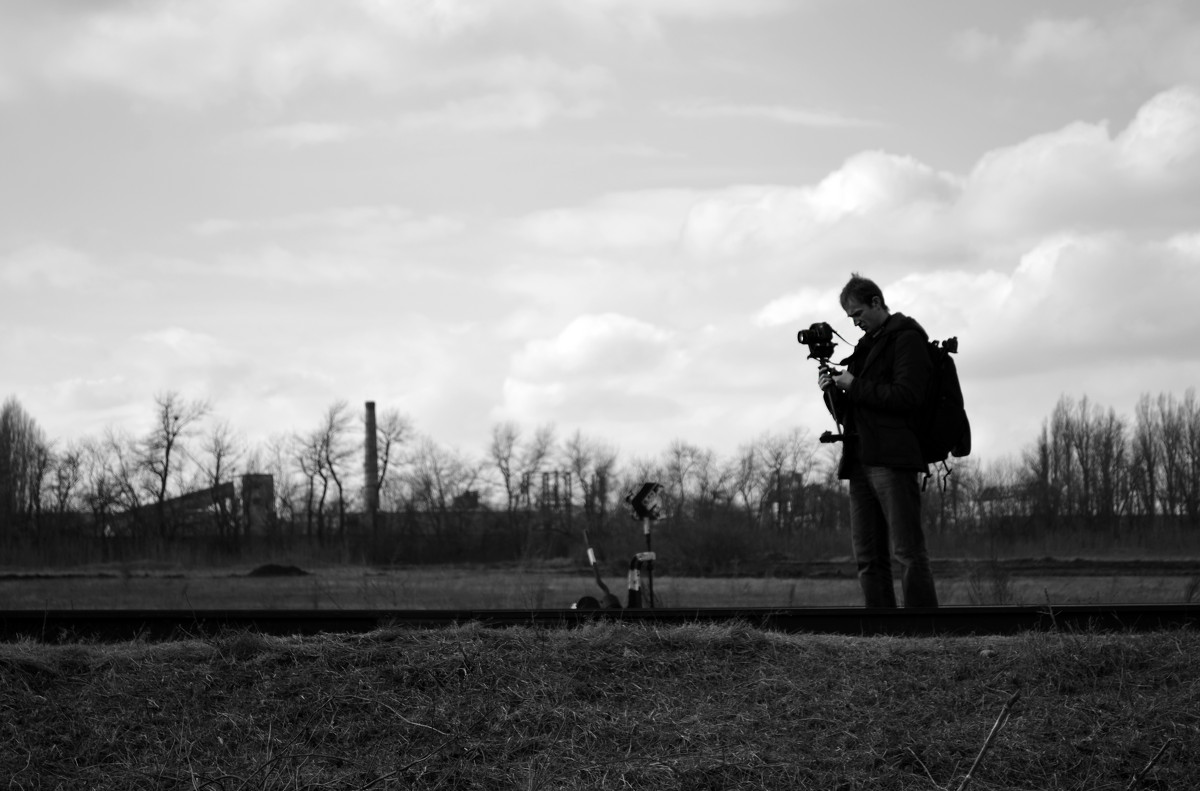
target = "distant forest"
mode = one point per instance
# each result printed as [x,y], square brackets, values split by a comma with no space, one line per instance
[1092,482]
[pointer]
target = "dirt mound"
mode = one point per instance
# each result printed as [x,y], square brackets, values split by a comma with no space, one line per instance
[276,570]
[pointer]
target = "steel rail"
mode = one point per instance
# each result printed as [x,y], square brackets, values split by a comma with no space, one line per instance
[120,625]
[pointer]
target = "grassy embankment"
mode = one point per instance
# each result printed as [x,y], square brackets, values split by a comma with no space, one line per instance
[604,706]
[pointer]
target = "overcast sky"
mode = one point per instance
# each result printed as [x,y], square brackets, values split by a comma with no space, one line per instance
[609,215]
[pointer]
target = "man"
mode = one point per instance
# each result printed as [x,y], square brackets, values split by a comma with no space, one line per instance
[876,400]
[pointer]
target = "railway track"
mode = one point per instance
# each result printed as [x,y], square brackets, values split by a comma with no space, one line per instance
[61,626]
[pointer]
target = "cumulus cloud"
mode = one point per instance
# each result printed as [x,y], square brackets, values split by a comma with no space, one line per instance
[607,345]
[597,364]
[1056,261]
[1083,176]
[900,210]
[875,200]
[793,307]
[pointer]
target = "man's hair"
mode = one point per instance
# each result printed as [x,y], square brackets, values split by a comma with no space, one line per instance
[862,290]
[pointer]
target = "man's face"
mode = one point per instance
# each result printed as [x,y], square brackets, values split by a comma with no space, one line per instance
[867,318]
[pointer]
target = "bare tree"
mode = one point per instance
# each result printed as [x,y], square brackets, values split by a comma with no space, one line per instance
[163,450]
[746,478]
[1146,456]
[24,455]
[502,451]
[41,462]
[1038,475]
[101,484]
[604,467]
[1191,467]
[276,458]
[533,456]
[222,450]
[336,452]
[307,454]
[1171,438]
[126,473]
[66,475]
[1080,437]
[686,464]
[394,431]
[1110,453]
[591,462]
[787,463]
[439,478]
[712,480]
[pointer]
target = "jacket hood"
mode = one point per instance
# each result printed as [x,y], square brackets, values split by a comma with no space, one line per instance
[898,322]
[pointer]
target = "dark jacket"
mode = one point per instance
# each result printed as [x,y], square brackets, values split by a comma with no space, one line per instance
[879,411]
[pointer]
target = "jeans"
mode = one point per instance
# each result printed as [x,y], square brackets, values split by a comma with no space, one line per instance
[882,501]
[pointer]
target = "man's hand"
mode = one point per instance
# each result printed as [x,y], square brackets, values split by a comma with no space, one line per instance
[828,377]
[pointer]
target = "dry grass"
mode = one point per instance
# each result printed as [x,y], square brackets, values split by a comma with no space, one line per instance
[606,706]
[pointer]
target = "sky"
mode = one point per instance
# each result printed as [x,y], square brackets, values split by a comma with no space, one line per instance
[607,215]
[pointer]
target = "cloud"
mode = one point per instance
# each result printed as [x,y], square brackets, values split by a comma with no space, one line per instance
[47,264]
[1039,247]
[896,211]
[336,246]
[1146,44]
[1161,146]
[609,345]
[393,223]
[1082,176]
[1071,40]
[874,201]
[512,92]
[508,111]
[599,365]
[792,308]
[303,134]
[793,116]
[619,221]
[645,18]
[973,45]
[196,55]
[178,343]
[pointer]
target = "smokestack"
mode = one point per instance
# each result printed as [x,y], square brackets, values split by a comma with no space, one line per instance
[371,467]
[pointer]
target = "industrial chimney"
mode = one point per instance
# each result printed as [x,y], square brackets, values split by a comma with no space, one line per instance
[371,469]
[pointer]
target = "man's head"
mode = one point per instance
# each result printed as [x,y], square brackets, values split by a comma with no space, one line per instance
[864,304]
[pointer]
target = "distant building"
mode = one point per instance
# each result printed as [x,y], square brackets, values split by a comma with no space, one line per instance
[258,502]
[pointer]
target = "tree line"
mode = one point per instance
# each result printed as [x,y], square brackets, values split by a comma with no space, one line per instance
[1091,479]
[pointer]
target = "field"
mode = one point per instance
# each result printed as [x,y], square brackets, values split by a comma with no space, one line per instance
[605,706]
[557,585]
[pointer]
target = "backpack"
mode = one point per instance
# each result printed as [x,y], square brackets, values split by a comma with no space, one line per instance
[943,428]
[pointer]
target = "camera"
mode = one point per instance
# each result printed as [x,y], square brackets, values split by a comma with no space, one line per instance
[819,340]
